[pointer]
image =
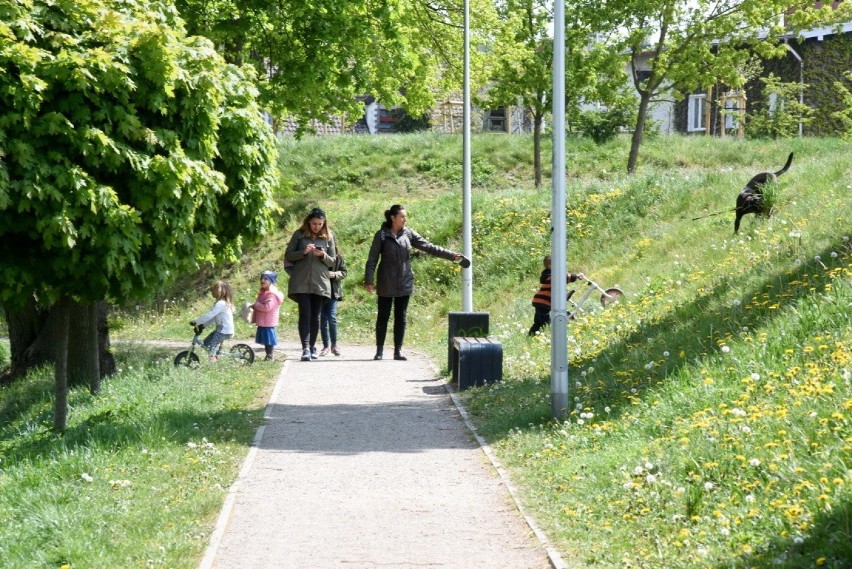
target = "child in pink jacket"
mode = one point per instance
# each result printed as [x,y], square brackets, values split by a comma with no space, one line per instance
[266,309]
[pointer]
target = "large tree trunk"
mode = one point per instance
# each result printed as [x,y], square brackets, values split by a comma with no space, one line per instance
[639,131]
[83,361]
[24,323]
[61,313]
[35,339]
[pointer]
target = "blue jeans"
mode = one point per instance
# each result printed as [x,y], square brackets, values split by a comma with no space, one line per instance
[328,323]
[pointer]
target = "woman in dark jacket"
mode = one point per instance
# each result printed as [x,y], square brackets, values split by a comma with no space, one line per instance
[391,251]
[312,250]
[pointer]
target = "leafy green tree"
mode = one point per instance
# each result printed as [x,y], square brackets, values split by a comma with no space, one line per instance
[522,64]
[130,152]
[676,46]
[780,119]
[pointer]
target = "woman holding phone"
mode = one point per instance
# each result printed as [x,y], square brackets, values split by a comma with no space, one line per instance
[312,251]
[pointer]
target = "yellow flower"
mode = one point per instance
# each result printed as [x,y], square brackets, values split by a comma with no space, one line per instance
[820,561]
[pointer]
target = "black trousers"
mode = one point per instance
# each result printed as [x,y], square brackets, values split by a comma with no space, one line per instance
[400,308]
[310,307]
[540,320]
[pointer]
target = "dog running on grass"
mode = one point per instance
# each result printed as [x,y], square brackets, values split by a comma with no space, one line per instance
[750,199]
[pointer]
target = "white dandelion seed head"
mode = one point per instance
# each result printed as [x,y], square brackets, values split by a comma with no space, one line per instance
[638,471]
[798,540]
[726,349]
[755,376]
[607,409]
[749,498]
[650,479]
[87,477]
[754,462]
[666,354]
[725,531]
[737,303]
[709,486]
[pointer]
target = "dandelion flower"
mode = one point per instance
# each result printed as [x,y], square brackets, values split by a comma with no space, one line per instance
[755,376]
[726,349]
[798,540]
[666,354]
[754,462]
[87,477]
[709,486]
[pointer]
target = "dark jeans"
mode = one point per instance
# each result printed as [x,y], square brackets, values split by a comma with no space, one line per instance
[310,306]
[328,323]
[540,320]
[400,307]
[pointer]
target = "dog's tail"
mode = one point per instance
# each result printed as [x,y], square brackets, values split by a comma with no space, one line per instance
[712,214]
[786,166]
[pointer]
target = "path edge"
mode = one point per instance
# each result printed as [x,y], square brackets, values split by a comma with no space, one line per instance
[228,505]
[556,561]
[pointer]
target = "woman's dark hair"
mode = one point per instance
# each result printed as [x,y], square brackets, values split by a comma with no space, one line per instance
[392,212]
[316,213]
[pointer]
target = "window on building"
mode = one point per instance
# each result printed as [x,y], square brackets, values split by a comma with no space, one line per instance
[731,114]
[695,115]
[496,121]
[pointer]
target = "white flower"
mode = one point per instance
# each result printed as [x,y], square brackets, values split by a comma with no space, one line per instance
[746,429]
[191,445]
[87,477]
[649,466]
[638,471]
[607,409]
[650,479]
[736,411]
[709,486]
[755,376]
[666,354]
[754,462]
[725,349]
[798,540]
[737,303]
[581,422]
[725,531]
[749,498]
[834,254]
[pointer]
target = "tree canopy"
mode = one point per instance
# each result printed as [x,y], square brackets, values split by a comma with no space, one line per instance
[677,46]
[128,151]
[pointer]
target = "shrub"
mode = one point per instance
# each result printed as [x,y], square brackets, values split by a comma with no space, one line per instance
[603,125]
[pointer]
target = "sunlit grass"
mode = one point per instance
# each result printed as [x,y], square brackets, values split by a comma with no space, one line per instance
[710,409]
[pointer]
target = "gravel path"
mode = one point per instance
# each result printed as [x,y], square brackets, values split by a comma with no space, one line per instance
[365,464]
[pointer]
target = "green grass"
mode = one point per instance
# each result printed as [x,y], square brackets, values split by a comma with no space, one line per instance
[138,478]
[712,418]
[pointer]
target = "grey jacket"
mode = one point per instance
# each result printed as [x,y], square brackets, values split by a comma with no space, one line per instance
[310,273]
[392,254]
[337,274]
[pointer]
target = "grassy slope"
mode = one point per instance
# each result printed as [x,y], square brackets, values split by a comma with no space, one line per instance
[712,427]
[712,419]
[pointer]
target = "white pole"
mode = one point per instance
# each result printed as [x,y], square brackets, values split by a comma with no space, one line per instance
[558,315]
[801,79]
[467,274]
